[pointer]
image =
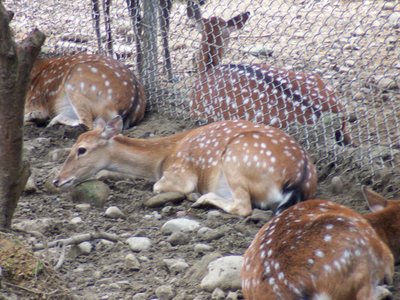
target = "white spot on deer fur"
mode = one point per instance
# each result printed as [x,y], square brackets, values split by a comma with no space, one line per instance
[310,261]
[269,253]
[319,253]
[93,88]
[94,70]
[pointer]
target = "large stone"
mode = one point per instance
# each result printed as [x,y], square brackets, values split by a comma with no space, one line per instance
[223,273]
[138,244]
[180,225]
[94,192]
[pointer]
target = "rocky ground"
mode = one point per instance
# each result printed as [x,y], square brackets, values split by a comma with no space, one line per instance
[144,252]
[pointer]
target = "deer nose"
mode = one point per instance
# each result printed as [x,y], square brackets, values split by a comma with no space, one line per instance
[56,182]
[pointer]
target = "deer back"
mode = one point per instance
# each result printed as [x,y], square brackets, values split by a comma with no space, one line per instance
[314,249]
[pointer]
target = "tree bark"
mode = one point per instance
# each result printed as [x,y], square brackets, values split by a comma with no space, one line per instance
[15,65]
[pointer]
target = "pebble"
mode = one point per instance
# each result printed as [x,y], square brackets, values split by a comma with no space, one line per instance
[337,185]
[132,262]
[359,31]
[213,214]
[83,206]
[180,225]
[223,273]
[138,244]
[386,83]
[394,19]
[218,294]
[140,296]
[202,248]
[179,238]
[176,265]
[114,212]
[200,268]
[85,247]
[258,50]
[165,292]
[232,296]
[30,186]
[76,220]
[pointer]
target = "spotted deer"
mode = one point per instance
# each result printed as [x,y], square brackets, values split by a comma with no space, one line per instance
[76,89]
[257,92]
[235,165]
[318,249]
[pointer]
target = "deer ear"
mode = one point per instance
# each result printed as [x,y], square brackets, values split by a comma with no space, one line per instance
[375,201]
[99,123]
[237,22]
[113,128]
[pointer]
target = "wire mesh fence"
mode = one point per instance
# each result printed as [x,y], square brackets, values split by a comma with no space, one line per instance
[353,46]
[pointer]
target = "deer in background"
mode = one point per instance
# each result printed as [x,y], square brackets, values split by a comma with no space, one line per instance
[322,250]
[257,92]
[76,89]
[235,165]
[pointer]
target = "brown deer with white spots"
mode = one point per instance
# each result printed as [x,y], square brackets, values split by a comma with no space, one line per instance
[235,165]
[258,92]
[76,89]
[318,249]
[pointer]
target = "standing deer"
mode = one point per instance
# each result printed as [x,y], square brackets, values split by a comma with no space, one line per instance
[76,89]
[235,165]
[257,92]
[322,250]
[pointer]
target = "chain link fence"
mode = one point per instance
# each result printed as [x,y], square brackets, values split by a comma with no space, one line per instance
[353,45]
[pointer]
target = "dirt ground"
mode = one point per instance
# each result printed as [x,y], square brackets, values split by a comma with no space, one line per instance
[104,273]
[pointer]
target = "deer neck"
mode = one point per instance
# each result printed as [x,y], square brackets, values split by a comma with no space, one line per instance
[211,55]
[142,157]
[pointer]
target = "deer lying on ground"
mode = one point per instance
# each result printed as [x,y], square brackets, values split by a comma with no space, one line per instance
[258,92]
[235,165]
[76,89]
[321,250]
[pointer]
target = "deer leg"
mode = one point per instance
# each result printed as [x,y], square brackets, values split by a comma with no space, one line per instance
[176,181]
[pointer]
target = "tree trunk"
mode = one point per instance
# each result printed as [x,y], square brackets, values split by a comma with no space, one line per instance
[15,65]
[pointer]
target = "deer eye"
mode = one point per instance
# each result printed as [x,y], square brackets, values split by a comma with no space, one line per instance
[81,151]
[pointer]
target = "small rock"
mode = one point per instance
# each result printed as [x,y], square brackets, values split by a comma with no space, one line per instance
[76,220]
[30,186]
[41,225]
[163,198]
[213,234]
[386,83]
[153,216]
[232,296]
[337,185]
[394,19]
[94,192]
[389,5]
[83,206]
[200,268]
[202,248]
[179,225]
[359,31]
[114,212]
[218,294]
[85,247]
[258,50]
[168,210]
[132,262]
[165,292]
[351,47]
[223,273]
[140,296]
[349,63]
[176,266]
[193,197]
[213,214]
[178,238]
[344,69]
[138,244]
[260,216]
